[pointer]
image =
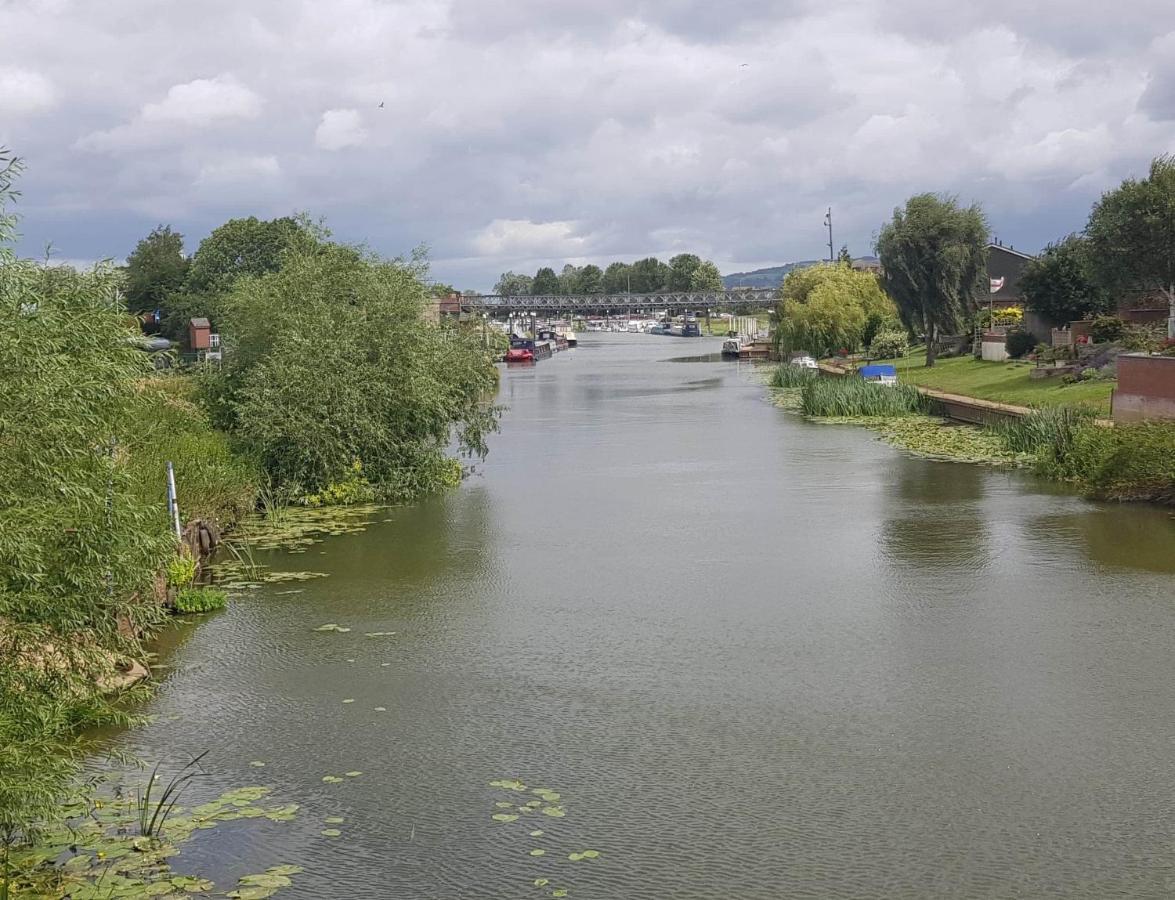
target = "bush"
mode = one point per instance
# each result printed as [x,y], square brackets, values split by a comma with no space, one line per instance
[889,345]
[193,600]
[1007,315]
[181,570]
[1020,343]
[1126,462]
[853,397]
[1105,329]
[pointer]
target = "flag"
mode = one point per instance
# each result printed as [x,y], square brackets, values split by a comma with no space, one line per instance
[996,284]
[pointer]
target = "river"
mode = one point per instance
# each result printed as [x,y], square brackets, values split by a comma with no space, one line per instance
[757,657]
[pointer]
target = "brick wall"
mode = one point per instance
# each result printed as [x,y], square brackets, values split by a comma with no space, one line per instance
[1146,388]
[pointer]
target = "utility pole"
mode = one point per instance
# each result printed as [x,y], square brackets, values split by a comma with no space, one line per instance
[828,222]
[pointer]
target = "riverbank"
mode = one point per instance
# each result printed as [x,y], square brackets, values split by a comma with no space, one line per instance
[1123,462]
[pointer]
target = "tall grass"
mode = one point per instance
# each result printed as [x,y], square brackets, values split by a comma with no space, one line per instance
[853,397]
[1049,431]
[788,376]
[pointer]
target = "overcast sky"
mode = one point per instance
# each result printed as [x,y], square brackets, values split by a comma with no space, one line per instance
[508,134]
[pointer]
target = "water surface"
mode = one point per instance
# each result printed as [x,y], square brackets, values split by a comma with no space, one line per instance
[759,658]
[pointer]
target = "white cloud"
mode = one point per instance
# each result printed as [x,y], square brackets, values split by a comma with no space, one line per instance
[340,128]
[521,238]
[204,101]
[238,170]
[24,91]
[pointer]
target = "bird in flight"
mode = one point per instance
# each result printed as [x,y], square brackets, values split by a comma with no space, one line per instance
[381,104]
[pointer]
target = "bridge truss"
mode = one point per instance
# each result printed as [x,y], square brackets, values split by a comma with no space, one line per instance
[679,301]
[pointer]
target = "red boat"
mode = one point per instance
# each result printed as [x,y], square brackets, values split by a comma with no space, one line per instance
[519,354]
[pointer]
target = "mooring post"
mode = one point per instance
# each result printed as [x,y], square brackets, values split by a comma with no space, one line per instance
[173,503]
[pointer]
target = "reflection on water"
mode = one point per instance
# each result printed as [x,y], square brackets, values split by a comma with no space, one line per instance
[757,657]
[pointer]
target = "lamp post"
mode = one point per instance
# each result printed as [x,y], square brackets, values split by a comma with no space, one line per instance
[828,222]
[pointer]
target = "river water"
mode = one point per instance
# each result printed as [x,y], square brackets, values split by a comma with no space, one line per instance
[757,657]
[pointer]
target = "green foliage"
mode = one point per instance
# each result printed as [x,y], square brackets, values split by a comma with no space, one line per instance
[934,264]
[249,246]
[511,284]
[1047,433]
[192,600]
[1061,284]
[591,280]
[681,271]
[826,308]
[889,345]
[1131,232]
[181,570]
[853,397]
[1020,343]
[545,282]
[1106,329]
[355,488]
[77,546]
[706,277]
[1004,315]
[330,361]
[787,376]
[649,275]
[155,270]
[1126,462]
[616,278]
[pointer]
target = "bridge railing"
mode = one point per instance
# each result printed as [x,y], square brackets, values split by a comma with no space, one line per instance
[680,300]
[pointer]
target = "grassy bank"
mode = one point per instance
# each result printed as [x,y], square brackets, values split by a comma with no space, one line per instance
[1126,462]
[1005,382]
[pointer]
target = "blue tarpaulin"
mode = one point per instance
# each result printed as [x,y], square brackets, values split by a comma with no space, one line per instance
[877,371]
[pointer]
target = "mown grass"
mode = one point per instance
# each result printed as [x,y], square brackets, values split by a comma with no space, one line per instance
[1005,382]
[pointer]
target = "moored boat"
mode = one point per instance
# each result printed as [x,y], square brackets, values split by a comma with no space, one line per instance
[731,347]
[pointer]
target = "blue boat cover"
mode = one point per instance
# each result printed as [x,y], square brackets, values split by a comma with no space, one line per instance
[877,371]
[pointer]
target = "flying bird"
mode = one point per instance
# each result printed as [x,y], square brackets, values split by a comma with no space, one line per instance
[381,104]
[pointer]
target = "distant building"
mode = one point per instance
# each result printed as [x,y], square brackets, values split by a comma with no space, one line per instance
[867,264]
[1005,265]
[199,334]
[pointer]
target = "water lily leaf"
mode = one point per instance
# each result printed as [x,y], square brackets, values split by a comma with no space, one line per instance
[251,892]
[559,893]
[285,869]
[556,812]
[504,804]
[536,834]
[534,804]
[537,852]
[266,879]
[334,820]
[504,817]
[352,774]
[331,779]
[541,882]
[509,785]
[257,764]
[381,709]
[575,857]
[330,832]
[590,854]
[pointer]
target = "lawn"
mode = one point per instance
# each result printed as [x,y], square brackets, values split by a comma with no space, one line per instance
[1005,382]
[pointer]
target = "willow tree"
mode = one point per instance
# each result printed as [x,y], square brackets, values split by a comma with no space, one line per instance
[826,308]
[934,265]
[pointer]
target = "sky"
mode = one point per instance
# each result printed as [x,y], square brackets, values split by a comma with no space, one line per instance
[509,134]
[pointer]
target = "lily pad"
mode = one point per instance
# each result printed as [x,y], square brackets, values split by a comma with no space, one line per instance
[590,854]
[257,764]
[349,700]
[504,817]
[504,804]
[541,882]
[556,812]
[352,774]
[509,785]
[331,779]
[334,820]
[330,832]
[536,834]
[559,893]
[575,857]
[538,852]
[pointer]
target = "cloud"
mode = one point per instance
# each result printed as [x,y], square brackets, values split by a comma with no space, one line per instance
[529,240]
[24,91]
[522,133]
[340,128]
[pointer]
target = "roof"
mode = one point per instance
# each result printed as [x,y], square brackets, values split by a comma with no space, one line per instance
[1008,249]
[201,322]
[876,371]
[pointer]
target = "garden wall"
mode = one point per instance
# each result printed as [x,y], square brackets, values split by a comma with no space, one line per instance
[1146,388]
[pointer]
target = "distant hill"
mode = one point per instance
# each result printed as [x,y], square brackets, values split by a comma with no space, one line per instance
[773,277]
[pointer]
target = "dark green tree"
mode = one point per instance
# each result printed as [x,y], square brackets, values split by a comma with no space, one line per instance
[511,284]
[681,271]
[155,270]
[545,282]
[591,280]
[934,262]
[706,277]
[649,275]
[246,247]
[617,277]
[1061,285]
[569,279]
[1131,234]
[844,257]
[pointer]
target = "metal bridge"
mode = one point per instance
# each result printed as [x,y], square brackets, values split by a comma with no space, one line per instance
[605,303]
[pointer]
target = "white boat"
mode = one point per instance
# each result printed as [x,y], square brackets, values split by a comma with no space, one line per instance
[731,347]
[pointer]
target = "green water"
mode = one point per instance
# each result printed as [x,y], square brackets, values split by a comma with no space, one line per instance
[758,658]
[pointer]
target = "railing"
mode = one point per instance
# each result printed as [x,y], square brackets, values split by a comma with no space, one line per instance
[695,300]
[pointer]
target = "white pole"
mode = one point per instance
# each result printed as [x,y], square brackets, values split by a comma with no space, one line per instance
[173,503]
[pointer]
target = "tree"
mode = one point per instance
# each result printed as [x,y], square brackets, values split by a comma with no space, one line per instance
[155,270]
[934,263]
[511,284]
[1061,285]
[827,307]
[617,277]
[844,258]
[569,279]
[681,271]
[545,282]
[246,247]
[649,275]
[706,277]
[591,280]
[1131,234]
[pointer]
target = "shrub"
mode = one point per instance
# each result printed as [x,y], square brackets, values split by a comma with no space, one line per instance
[1007,315]
[1105,329]
[1020,343]
[181,570]
[1126,462]
[854,397]
[889,345]
[193,600]
[355,488]
[1144,338]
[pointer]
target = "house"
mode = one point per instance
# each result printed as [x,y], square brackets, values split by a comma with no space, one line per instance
[1005,265]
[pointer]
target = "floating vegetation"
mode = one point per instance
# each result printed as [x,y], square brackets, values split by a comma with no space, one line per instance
[352,774]
[257,764]
[331,779]
[331,626]
[378,633]
[330,832]
[96,853]
[349,700]
[334,820]
[299,528]
[549,803]
[380,708]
